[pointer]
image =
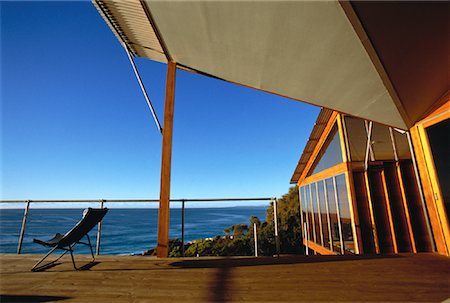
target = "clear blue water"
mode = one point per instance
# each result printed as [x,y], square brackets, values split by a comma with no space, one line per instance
[124,231]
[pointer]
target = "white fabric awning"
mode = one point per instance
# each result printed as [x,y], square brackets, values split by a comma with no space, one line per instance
[311,51]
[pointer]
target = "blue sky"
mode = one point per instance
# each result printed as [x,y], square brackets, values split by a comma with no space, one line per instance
[74,123]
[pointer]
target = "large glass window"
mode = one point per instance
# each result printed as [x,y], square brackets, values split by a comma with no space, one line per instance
[344,213]
[310,214]
[304,208]
[305,200]
[382,143]
[382,148]
[315,207]
[326,209]
[357,137]
[331,155]
[334,218]
[324,214]
[402,144]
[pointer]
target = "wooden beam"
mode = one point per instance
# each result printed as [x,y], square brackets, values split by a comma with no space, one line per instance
[439,115]
[318,248]
[329,172]
[318,147]
[162,249]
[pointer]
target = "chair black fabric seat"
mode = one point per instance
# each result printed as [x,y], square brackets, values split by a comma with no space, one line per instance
[91,217]
[50,243]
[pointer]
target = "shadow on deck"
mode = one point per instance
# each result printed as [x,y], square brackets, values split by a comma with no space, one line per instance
[422,277]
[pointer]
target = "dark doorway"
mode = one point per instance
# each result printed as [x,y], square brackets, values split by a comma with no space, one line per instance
[439,138]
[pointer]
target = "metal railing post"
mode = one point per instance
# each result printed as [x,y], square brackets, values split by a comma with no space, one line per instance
[182,227]
[24,223]
[275,220]
[255,236]
[99,232]
[305,228]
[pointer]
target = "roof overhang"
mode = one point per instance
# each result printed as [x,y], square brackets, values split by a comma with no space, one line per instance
[366,59]
[321,122]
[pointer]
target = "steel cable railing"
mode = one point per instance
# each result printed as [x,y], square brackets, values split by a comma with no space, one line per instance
[19,226]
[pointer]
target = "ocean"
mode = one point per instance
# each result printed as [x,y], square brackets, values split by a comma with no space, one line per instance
[124,231]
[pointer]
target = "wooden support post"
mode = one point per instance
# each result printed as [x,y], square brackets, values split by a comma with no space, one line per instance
[162,250]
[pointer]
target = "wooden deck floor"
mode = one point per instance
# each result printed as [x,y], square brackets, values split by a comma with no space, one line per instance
[406,278]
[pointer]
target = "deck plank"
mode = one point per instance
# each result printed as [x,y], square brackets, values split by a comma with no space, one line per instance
[406,277]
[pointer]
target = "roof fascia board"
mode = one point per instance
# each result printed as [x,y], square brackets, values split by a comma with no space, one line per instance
[319,145]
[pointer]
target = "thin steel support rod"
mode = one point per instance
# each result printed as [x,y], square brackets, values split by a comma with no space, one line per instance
[368,147]
[320,214]
[22,230]
[394,143]
[313,219]
[144,91]
[372,156]
[99,232]
[330,236]
[255,237]
[307,225]
[182,228]
[275,220]
[421,194]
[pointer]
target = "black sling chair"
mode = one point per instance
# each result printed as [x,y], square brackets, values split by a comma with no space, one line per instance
[66,242]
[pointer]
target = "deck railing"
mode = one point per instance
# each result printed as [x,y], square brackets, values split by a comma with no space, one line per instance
[101,202]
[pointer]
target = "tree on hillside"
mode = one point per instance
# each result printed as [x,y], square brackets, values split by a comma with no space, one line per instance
[238,240]
[289,225]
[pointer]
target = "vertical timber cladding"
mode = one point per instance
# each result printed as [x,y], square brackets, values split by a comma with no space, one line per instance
[416,211]
[382,222]
[399,217]
[363,208]
[164,202]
